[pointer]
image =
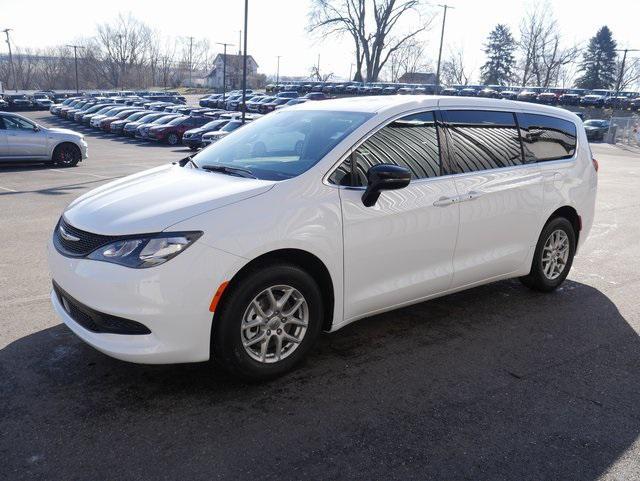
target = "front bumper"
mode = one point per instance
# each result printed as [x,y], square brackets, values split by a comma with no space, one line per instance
[172,300]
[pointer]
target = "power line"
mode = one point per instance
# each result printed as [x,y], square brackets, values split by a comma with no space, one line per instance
[624,59]
[75,57]
[444,19]
[224,68]
[13,68]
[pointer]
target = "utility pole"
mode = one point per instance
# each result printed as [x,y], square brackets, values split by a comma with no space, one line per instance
[239,42]
[444,19]
[13,68]
[624,60]
[350,72]
[75,58]
[224,68]
[318,68]
[244,62]
[278,71]
[190,61]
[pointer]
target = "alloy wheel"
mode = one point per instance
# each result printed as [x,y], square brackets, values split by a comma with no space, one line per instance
[555,254]
[274,324]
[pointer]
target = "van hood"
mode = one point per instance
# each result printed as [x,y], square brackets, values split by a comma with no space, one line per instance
[154,200]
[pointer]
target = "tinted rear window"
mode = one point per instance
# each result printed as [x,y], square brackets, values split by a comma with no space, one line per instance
[482,140]
[546,138]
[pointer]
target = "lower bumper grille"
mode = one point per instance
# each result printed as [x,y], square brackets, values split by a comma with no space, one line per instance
[95,321]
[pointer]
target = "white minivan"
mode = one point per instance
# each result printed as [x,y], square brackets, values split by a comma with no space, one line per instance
[316,216]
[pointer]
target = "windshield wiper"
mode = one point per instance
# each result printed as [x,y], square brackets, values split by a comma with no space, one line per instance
[227,169]
[187,160]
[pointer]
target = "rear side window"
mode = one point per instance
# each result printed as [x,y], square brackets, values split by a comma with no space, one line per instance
[546,138]
[410,142]
[482,140]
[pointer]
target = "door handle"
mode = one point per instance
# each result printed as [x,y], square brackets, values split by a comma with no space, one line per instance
[445,201]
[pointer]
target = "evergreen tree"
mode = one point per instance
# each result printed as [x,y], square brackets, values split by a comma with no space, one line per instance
[498,70]
[599,63]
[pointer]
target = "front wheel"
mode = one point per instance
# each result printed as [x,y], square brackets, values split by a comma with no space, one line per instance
[553,256]
[268,323]
[67,155]
[173,139]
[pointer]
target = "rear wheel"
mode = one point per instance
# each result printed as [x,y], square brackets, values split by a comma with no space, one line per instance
[268,322]
[67,155]
[553,256]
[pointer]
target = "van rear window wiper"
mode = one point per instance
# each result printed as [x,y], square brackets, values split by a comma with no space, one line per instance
[227,169]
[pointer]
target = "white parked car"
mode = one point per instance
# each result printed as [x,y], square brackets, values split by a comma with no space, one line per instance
[319,215]
[23,140]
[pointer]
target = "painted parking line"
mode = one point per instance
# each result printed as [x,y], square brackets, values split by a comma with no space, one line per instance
[80,173]
[7,189]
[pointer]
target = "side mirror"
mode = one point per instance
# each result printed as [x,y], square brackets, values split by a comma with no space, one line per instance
[384,177]
[36,128]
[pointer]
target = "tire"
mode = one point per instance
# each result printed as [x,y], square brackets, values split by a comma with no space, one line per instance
[173,139]
[229,337]
[544,277]
[67,155]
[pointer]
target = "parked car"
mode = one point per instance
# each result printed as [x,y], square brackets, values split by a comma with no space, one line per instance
[509,95]
[81,114]
[117,126]
[617,102]
[527,96]
[569,99]
[105,124]
[96,119]
[19,102]
[22,140]
[592,100]
[130,128]
[255,106]
[3,104]
[596,128]
[213,137]
[142,132]
[211,258]
[634,104]
[86,117]
[266,107]
[292,102]
[489,93]
[548,98]
[288,95]
[192,138]
[172,131]
[315,96]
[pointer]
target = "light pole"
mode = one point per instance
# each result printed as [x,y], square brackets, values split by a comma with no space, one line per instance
[444,19]
[190,61]
[350,72]
[244,61]
[278,71]
[624,60]
[224,69]
[75,58]
[13,69]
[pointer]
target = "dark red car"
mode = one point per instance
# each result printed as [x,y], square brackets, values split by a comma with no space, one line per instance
[173,131]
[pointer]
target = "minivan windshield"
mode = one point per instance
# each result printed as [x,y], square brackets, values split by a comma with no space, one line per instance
[284,144]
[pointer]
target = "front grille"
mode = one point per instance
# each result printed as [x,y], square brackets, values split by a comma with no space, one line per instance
[95,321]
[86,243]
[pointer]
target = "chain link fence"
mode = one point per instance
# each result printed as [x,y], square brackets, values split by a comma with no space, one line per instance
[624,130]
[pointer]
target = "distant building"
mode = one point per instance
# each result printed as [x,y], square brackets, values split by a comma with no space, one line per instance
[234,71]
[418,78]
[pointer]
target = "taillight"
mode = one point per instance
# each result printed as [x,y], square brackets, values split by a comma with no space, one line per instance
[595,164]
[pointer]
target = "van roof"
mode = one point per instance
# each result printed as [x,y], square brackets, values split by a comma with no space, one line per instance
[398,103]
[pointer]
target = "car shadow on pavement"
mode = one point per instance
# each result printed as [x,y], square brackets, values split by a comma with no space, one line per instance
[493,383]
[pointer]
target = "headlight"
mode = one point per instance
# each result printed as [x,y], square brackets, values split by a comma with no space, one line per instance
[145,251]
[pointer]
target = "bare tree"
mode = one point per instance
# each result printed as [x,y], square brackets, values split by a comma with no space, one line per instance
[631,75]
[410,57]
[316,74]
[124,46]
[540,44]
[454,69]
[374,27]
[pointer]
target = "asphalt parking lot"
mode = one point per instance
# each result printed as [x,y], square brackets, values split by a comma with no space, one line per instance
[494,383]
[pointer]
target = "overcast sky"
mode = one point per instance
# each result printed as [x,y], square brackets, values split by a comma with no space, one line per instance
[278,27]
